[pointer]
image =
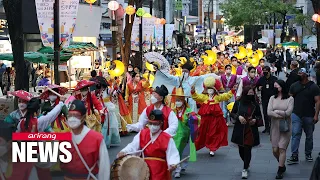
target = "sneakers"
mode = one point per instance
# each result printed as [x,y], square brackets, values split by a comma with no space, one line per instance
[293,160]
[244,174]
[309,158]
[211,153]
[177,175]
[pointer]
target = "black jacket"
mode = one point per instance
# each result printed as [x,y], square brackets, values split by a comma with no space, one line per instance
[238,130]
[315,175]
[292,78]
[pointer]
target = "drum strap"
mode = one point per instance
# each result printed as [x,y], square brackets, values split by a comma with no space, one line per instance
[84,162]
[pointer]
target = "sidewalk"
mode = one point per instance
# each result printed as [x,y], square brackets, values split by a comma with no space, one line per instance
[227,165]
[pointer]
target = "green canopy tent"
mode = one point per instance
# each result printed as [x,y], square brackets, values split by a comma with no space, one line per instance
[73,48]
[34,57]
[295,44]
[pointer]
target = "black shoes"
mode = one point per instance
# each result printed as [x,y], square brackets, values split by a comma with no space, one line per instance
[266,131]
[309,158]
[280,172]
[293,160]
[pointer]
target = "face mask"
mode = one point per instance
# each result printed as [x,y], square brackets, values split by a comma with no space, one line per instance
[262,64]
[3,150]
[22,106]
[153,99]
[84,93]
[265,73]
[179,104]
[73,122]
[210,91]
[53,98]
[250,97]
[130,69]
[228,71]
[154,128]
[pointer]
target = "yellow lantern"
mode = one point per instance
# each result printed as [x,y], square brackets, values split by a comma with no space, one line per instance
[130,10]
[260,54]
[178,71]
[108,64]
[249,52]
[149,66]
[118,70]
[113,6]
[149,78]
[212,57]
[90,2]
[242,52]
[183,60]
[233,70]
[254,60]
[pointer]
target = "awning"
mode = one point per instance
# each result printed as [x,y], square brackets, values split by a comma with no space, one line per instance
[290,44]
[34,57]
[73,47]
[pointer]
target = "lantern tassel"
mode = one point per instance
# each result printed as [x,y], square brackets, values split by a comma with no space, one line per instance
[90,7]
[129,19]
[114,16]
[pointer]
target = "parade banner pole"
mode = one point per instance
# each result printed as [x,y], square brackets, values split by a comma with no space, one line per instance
[56,38]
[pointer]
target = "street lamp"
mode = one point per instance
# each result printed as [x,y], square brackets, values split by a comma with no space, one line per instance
[316,18]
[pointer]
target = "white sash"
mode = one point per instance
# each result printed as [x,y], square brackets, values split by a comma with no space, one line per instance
[84,163]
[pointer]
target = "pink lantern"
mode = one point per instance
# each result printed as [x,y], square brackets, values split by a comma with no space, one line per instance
[113,6]
[315,17]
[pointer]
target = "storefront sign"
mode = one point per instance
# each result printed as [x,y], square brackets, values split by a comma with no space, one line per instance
[80,62]
[45,15]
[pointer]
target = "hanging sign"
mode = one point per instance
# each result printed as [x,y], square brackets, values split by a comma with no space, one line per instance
[179,5]
[185,10]
[147,32]
[45,15]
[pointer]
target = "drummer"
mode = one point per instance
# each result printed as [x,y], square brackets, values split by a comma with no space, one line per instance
[160,151]
[170,121]
[90,150]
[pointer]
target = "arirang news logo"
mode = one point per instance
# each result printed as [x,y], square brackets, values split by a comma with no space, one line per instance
[41,147]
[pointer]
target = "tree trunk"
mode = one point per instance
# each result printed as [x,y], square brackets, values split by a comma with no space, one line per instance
[316,8]
[13,10]
[283,33]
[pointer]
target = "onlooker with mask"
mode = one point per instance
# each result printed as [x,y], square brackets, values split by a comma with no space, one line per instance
[279,109]
[245,134]
[266,86]
[293,76]
[8,80]
[93,78]
[305,114]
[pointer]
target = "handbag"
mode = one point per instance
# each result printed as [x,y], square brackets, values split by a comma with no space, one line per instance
[283,125]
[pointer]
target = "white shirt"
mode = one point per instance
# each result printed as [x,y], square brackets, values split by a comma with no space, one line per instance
[143,120]
[104,162]
[172,154]
[44,121]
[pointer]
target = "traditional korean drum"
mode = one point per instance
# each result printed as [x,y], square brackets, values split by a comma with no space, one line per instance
[129,168]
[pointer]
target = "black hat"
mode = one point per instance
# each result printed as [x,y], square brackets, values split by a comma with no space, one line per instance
[33,105]
[156,115]
[188,65]
[6,130]
[162,91]
[79,106]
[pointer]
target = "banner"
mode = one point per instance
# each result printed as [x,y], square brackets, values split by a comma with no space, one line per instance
[68,16]
[135,35]
[169,33]
[159,36]
[147,32]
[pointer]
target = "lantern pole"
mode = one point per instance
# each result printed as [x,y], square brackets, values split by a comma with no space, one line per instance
[164,25]
[140,36]
[151,6]
[114,39]
[56,38]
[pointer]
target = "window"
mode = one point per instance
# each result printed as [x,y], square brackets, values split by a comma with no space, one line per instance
[97,3]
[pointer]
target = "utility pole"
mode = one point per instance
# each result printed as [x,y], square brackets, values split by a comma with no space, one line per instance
[114,39]
[140,36]
[151,6]
[164,26]
[274,30]
[56,38]
[209,21]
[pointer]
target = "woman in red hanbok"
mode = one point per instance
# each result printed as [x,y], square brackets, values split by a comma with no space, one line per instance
[213,131]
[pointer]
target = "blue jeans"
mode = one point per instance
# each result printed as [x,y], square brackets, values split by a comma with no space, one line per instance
[224,107]
[305,123]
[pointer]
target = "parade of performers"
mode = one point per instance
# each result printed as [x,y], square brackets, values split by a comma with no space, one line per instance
[165,112]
